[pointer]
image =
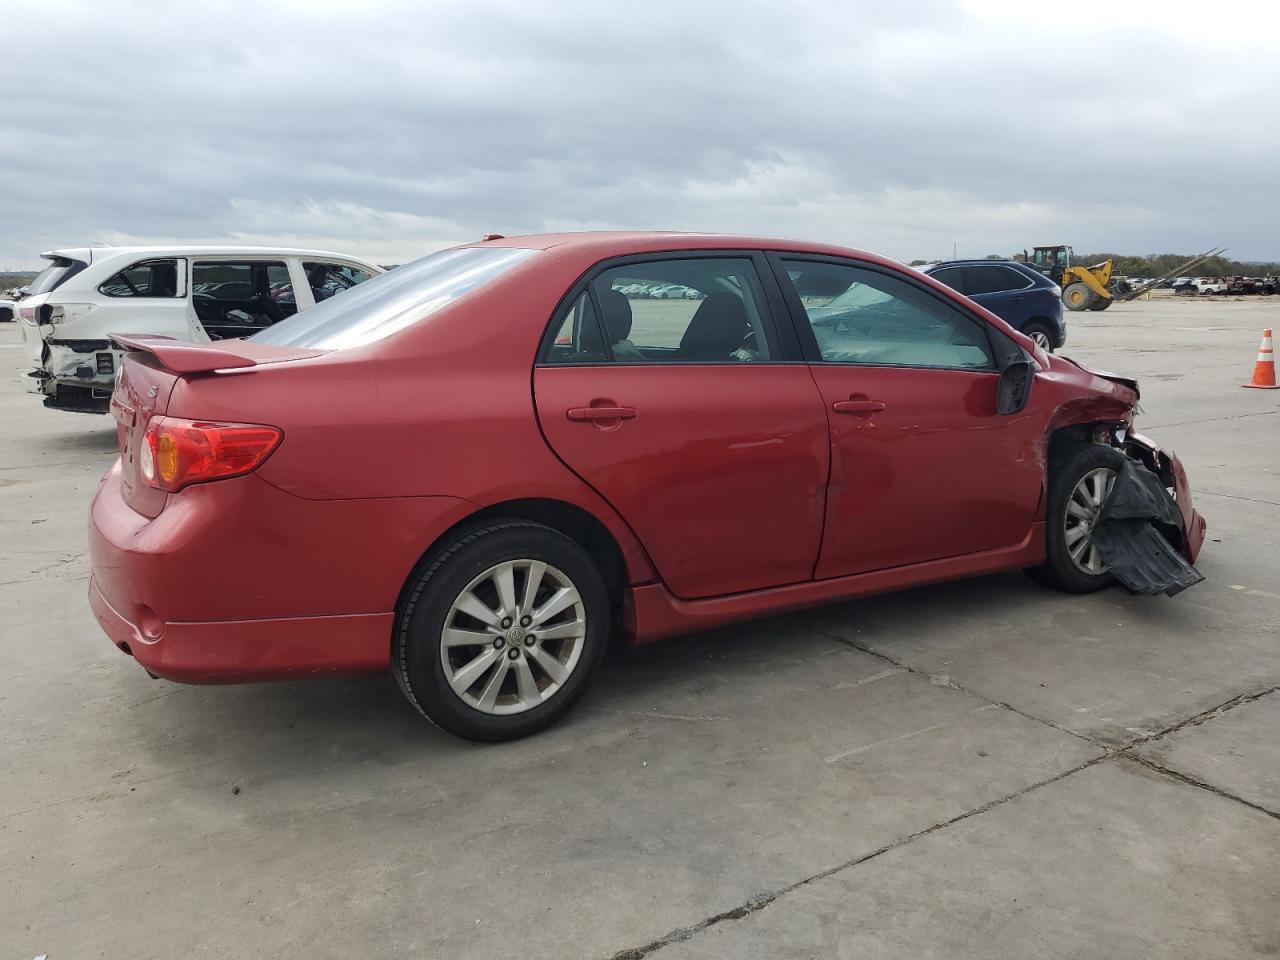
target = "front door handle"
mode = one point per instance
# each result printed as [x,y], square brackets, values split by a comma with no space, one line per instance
[601,413]
[858,406]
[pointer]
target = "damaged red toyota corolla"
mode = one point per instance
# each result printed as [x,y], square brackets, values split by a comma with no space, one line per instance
[476,468]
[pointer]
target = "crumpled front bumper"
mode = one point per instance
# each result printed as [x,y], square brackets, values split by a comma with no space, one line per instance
[1169,468]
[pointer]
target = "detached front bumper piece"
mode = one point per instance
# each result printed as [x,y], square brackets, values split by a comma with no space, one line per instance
[1142,536]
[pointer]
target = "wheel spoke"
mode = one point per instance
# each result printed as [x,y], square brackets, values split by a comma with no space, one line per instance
[489,696]
[453,637]
[1078,510]
[504,578]
[473,606]
[526,685]
[1093,561]
[1094,497]
[464,677]
[555,669]
[1075,533]
[531,584]
[563,631]
[560,601]
[1079,549]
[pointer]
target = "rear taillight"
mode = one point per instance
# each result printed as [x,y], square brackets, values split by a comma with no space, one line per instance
[176,453]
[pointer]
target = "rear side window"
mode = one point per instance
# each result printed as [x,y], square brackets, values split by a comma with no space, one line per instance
[866,317]
[681,310]
[150,278]
[59,271]
[994,279]
[395,300]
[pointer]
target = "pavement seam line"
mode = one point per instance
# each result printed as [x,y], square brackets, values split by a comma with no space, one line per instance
[1213,713]
[755,904]
[1186,423]
[1181,777]
[940,681]
[1232,496]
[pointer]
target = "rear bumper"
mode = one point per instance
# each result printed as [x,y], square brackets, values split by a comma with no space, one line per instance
[237,580]
[237,651]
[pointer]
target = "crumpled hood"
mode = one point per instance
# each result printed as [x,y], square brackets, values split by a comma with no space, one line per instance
[1124,381]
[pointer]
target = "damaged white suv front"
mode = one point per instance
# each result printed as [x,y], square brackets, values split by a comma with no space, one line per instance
[87,295]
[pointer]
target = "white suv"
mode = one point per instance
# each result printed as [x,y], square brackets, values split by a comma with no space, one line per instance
[87,295]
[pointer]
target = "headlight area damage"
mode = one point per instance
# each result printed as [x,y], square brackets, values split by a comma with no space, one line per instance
[1147,532]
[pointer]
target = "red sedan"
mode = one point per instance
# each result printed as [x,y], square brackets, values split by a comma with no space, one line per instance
[476,468]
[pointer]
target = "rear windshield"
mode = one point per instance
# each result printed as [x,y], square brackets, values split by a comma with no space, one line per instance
[394,300]
[52,276]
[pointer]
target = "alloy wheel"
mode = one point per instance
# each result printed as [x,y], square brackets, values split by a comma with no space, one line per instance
[1041,339]
[513,637]
[1083,509]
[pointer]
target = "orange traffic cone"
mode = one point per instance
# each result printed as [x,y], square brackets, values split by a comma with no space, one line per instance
[1264,371]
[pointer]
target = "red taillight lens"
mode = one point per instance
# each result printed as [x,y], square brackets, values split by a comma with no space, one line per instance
[177,453]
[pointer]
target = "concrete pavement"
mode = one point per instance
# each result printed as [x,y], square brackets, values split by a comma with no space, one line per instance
[976,769]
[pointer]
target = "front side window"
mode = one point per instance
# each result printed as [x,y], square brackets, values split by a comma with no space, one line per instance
[682,310]
[866,317]
[953,277]
[392,301]
[329,279]
[150,278]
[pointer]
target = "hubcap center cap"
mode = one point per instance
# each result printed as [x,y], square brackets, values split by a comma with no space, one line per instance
[514,636]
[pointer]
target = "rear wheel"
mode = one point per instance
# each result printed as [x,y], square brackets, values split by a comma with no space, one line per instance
[1100,303]
[1076,494]
[1040,335]
[1076,296]
[502,632]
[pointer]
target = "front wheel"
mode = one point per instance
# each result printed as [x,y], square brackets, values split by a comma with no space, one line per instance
[1077,492]
[502,632]
[1100,303]
[1076,296]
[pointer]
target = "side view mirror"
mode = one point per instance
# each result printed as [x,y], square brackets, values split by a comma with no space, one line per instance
[1014,388]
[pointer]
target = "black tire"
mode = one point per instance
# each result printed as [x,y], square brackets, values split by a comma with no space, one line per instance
[1100,303]
[416,654]
[1076,296]
[1059,571]
[1034,328]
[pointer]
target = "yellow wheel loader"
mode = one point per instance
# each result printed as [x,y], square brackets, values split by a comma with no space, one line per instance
[1091,288]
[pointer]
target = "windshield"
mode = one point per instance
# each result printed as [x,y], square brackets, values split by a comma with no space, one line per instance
[60,270]
[395,300]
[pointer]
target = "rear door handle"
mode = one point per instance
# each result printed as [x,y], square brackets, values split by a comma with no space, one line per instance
[601,413]
[858,406]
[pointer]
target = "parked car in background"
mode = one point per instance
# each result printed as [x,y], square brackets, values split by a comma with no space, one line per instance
[1024,298]
[475,469]
[1207,286]
[8,311]
[87,295]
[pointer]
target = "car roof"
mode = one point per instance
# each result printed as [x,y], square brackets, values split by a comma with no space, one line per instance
[972,263]
[99,253]
[620,243]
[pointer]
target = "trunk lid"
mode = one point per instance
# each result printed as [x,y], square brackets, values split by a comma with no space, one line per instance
[150,370]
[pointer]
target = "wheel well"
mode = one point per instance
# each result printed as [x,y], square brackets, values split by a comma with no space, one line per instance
[1062,440]
[574,522]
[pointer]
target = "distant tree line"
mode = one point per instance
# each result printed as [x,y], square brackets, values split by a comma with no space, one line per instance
[1158,264]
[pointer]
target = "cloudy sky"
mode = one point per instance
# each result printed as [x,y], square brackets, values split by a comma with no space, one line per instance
[390,129]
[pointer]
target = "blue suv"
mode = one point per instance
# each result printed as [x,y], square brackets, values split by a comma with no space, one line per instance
[1028,301]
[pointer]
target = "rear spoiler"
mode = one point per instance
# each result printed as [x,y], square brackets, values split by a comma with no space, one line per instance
[181,357]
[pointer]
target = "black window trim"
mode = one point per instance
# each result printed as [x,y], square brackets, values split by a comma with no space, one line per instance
[809,342]
[775,313]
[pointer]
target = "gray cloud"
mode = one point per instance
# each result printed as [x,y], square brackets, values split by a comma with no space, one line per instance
[390,129]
